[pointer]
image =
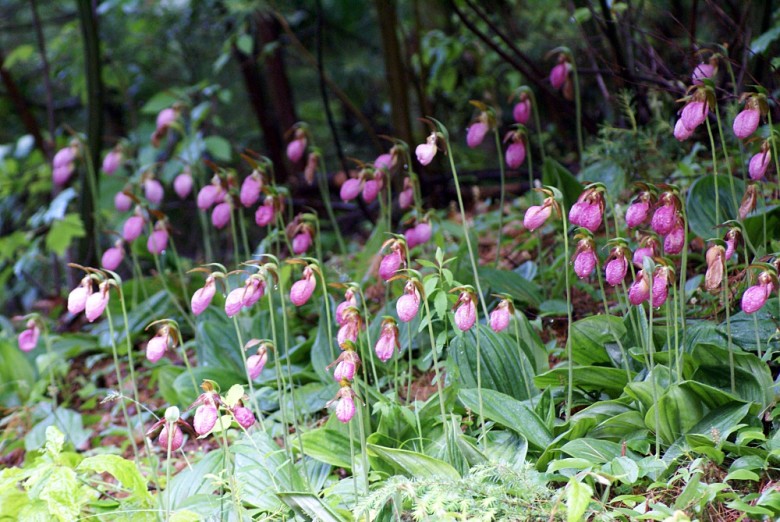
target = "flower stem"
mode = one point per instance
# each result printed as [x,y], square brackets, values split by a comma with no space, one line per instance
[526,378]
[535,110]
[246,370]
[714,171]
[115,353]
[578,110]
[502,170]
[322,181]
[569,317]
[439,387]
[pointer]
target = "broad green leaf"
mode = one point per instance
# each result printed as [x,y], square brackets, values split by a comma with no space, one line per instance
[64,494]
[577,499]
[595,450]
[17,375]
[590,335]
[591,378]
[722,420]
[745,328]
[233,395]
[310,505]
[158,102]
[67,421]
[329,446]
[62,232]
[219,147]
[125,471]
[605,171]
[558,176]
[679,411]
[625,469]
[510,413]
[225,377]
[197,480]
[761,43]
[505,366]
[415,465]
[522,290]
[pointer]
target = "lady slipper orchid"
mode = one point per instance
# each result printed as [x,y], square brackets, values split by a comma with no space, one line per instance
[297,146]
[349,301]
[408,304]
[251,189]
[388,340]
[560,73]
[681,132]
[638,211]
[205,418]
[202,297]
[693,114]
[390,264]
[208,195]
[641,253]
[702,72]
[28,338]
[759,164]
[234,301]
[112,161]
[346,366]
[158,241]
[385,161]
[665,216]
[746,123]
[302,290]
[176,438]
[122,202]
[350,328]
[254,290]
[265,213]
[675,240]
[423,232]
[153,191]
[522,110]
[77,299]
[220,216]
[616,268]
[157,346]
[182,184]
[371,190]
[406,196]
[537,215]
[255,363]
[515,154]
[476,134]
[96,303]
[132,228]
[639,291]
[731,242]
[345,403]
[312,164]
[301,242]
[716,267]
[588,211]
[425,152]
[465,311]
[748,203]
[500,316]
[63,164]
[584,258]
[660,290]
[113,257]
[350,189]
[244,417]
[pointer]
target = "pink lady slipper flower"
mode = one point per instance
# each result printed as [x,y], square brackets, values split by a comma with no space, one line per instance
[693,114]
[244,417]
[350,189]
[158,239]
[297,146]
[515,152]
[588,211]
[254,290]
[206,416]
[418,235]
[584,258]
[96,303]
[349,301]
[522,110]
[251,189]
[302,290]
[346,364]
[675,240]
[176,440]
[209,195]
[476,133]
[702,72]
[406,196]
[153,191]
[386,161]
[759,164]
[390,264]
[28,338]
[122,202]
[617,267]
[500,316]
[465,311]
[731,242]
[425,152]
[660,290]
[388,340]
[716,267]
[302,241]
[408,304]
[350,327]
[665,215]
[312,164]
[165,119]
[133,227]
[265,213]
[748,203]
[537,215]
[756,296]
[371,189]
[182,184]
[560,73]
[641,253]
[63,164]
[681,132]
[639,291]
[202,297]
[113,257]
[112,161]
[746,123]
[256,362]
[77,299]
[345,403]
[158,345]
[234,301]
[220,216]
[638,211]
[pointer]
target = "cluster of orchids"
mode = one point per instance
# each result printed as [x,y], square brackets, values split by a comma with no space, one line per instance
[213,414]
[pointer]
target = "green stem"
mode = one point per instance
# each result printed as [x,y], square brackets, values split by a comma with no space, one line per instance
[246,371]
[439,387]
[727,159]
[727,307]
[244,237]
[322,181]
[115,353]
[169,430]
[526,378]
[623,353]
[502,170]
[714,171]
[569,316]
[578,110]
[234,235]
[535,110]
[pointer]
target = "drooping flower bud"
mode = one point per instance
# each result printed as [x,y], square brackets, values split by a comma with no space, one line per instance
[350,189]
[77,299]
[202,297]
[254,289]
[465,311]
[113,257]
[255,363]
[370,190]
[675,240]
[96,303]
[208,195]
[251,189]
[693,114]
[426,151]
[522,110]
[660,291]
[234,301]
[122,202]
[349,301]
[406,197]
[205,418]
[616,268]
[302,290]
[132,228]
[244,417]
[182,184]
[748,203]
[639,291]
[408,304]
[177,438]
[423,232]
[158,241]
[500,316]
[731,242]
[716,267]
[112,161]
[157,346]
[153,191]
[385,162]
[476,134]
[297,146]
[28,338]
[746,123]
[536,215]
[301,242]
[665,216]
[515,154]
[584,259]
[390,264]
[350,328]
[63,164]
[388,340]
[681,132]
[559,74]
[759,164]
[220,216]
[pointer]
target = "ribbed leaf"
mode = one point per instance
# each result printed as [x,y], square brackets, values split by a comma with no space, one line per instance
[415,465]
